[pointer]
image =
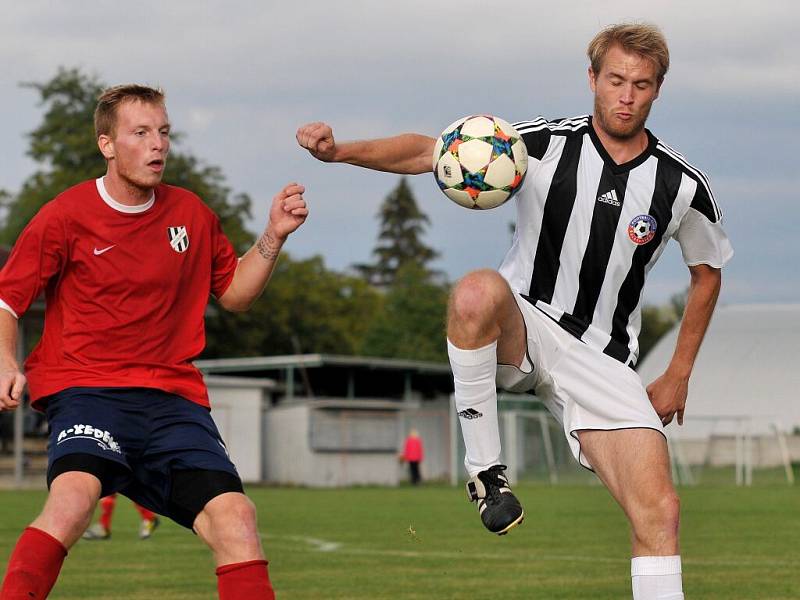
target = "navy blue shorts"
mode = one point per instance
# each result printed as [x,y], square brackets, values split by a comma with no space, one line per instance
[152,438]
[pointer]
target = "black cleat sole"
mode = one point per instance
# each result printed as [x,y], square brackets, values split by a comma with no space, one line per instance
[512,525]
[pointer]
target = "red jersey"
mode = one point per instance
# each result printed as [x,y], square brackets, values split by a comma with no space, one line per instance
[126,289]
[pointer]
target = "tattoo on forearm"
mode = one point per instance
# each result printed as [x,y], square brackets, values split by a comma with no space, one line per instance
[268,247]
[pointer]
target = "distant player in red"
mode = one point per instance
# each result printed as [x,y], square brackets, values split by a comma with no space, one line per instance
[413,454]
[127,264]
[102,529]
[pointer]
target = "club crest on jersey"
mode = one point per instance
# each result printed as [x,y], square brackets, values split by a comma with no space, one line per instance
[178,238]
[642,229]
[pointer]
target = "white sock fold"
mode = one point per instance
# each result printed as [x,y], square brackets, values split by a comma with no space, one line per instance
[474,377]
[656,578]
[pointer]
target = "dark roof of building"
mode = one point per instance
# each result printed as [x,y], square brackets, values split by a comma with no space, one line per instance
[309,361]
[331,375]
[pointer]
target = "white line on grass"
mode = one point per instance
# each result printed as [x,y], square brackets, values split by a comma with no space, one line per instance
[315,543]
[329,546]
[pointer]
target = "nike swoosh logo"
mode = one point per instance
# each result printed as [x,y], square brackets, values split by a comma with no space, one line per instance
[99,252]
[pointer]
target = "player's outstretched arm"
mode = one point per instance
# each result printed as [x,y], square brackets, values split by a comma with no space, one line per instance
[287,213]
[408,153]
[12,381]
[668,392]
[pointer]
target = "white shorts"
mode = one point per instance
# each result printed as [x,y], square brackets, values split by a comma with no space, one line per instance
[581,387]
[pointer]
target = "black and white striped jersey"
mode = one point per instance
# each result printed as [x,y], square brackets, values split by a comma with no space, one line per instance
[588,230]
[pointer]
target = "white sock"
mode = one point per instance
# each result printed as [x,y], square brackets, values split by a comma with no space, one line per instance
[474,375]
[656,578]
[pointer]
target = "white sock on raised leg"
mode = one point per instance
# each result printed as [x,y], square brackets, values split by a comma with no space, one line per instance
[657,578]
[474,375]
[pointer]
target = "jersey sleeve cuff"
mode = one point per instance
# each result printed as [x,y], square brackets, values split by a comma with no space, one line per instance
[5,306]
[716,264]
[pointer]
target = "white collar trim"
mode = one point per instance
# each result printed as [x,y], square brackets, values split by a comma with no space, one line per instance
[124,208]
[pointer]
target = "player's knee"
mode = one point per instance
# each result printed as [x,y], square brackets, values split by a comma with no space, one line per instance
[73,496]
[658,519]
[69,506]
[670,511]
[243,512]
[476,297]
[232,521]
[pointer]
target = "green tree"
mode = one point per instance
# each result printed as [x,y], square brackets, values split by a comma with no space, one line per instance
[412,322]
[399,240]
[305,308]
[63,145]
[65,148]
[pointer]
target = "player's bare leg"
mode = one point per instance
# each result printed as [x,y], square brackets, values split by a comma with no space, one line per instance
[69,506]
[634,465]
[227,524]
[484,325]
[40,551]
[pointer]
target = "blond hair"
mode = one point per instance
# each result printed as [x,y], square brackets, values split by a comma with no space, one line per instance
[643,39]
[108,103]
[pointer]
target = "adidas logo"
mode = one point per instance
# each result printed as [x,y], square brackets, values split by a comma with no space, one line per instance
[470,413]
[609,198]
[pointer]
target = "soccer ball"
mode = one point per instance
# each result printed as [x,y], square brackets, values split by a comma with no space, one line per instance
[480,161]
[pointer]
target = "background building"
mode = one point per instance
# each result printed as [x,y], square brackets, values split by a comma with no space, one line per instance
[323,420]
[744,393]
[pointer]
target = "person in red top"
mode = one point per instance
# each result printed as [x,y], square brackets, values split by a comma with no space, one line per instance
[413,455]
[127,264]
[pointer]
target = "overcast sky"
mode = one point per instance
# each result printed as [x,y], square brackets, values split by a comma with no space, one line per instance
[242,76]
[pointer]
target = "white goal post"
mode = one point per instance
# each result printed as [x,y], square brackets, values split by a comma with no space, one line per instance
[526,426]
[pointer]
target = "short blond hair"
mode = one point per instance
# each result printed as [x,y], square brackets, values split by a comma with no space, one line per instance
[108,103]
[643,39]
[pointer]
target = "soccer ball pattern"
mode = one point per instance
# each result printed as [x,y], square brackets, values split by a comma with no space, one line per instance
[480,161]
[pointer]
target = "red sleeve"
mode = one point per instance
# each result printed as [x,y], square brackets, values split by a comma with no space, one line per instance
[224,260]
[38,254]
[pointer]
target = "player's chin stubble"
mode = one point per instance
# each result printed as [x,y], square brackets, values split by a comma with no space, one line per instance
[622,132]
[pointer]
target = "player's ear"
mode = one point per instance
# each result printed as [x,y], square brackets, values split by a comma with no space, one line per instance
[592,80]
[106,145]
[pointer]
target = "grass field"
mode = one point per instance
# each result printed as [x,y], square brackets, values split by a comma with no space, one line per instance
[427,543]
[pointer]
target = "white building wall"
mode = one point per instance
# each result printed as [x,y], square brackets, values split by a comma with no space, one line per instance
[272,443]
[765,450]
[236,407]
[338,469]
[287,456]
[290,460]
[432,421]
[746,376]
